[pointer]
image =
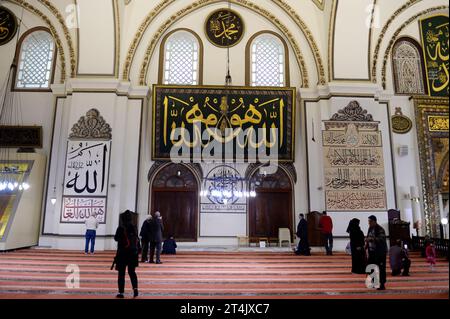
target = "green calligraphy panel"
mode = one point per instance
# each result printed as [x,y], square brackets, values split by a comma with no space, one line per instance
[435,40]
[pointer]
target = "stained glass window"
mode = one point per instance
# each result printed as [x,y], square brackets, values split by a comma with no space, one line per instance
[181,59]
[35,66]
[267,61]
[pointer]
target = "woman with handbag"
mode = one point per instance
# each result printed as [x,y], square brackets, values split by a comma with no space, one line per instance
[127,254]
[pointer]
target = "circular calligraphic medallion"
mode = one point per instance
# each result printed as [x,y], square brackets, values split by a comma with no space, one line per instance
[224,28]
[222,185]
[8,25]
[401,124]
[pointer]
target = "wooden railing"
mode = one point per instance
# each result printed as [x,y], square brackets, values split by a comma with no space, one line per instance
[419,244]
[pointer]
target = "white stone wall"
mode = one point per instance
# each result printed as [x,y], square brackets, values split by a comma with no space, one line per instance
[126,106]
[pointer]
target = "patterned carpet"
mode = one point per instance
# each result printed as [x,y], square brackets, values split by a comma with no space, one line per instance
[41,274]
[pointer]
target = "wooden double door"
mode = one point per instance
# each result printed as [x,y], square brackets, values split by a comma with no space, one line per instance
[179,212]
[271,209]
[268,211]
[174,194]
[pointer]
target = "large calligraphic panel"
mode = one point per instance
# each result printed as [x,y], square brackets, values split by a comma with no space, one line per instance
[434,31]
[249,121]
[85,180]
[354,168]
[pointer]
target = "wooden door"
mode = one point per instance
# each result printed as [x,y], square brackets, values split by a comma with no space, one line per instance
[174,194]
[268,211]
[179,212]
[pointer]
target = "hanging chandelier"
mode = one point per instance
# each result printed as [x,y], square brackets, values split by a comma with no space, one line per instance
[225,187]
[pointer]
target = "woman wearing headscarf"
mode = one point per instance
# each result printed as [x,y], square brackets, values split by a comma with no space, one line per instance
[357,244]
[127,253]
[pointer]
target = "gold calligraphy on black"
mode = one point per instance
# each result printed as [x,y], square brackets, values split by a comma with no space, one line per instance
[224,28]
[8,25]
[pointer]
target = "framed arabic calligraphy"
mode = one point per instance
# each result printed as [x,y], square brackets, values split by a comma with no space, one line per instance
[401,124]
[21,136]
[224,28]
[215,123]
[353,162]
[85,180]
[8,25]
[435,38]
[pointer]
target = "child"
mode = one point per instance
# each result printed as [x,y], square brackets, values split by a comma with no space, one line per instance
[430,251]
[169,246]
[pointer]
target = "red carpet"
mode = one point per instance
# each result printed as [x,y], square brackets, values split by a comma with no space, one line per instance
[36,273]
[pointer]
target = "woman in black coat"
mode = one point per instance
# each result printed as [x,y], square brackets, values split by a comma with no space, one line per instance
[357,244]
[127,255]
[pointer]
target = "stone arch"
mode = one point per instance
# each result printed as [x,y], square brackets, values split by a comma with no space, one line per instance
[200,4]
[174,191]
[273,206]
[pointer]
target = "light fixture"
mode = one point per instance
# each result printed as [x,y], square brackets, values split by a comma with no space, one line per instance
[444,221]
[53,199]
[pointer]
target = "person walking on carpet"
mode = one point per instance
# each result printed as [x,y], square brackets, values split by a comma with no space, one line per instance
[127,255]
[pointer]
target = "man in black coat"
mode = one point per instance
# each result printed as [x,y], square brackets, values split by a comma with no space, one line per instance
[302,234]
[156,238]
[145,237]
[377,248]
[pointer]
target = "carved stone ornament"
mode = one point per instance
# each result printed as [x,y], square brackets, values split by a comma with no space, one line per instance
[400,123]
[91,126]
[353,112]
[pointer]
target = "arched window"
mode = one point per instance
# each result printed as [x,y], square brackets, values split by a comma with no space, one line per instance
[181,58]
[35,60]
[268,60]
[408,67]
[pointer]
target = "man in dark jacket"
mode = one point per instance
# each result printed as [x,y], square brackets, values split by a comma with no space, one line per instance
[302,234]
[156,238]
[377,248]
[145,237]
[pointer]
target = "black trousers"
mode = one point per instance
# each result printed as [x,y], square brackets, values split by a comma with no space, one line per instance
[380,261]
[405,266]
[121,279]
[145,244]
[155,245]
[328,243]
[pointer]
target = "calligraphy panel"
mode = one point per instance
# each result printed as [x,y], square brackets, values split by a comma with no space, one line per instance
[435,38]
[354,168]
[87,168]
[438,123]
[245,120]
[78,209]
[8,25]
[224,28]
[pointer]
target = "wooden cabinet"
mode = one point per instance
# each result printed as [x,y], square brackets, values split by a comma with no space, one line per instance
[315,237]
[398,229]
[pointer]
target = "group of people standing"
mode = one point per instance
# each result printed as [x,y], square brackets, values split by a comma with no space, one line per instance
[152,235]
[365,250]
